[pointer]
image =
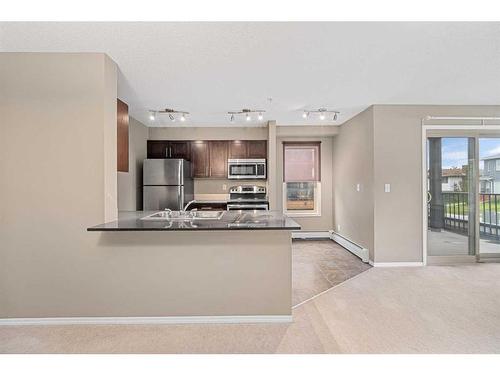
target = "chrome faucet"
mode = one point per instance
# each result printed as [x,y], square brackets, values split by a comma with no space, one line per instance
[188,204]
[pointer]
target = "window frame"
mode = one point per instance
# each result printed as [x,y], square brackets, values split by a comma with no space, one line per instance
[317,184]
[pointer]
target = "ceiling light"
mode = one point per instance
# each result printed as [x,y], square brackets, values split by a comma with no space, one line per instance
[322,113]
[171,117]
[152,116]
[235,115]
[183,117]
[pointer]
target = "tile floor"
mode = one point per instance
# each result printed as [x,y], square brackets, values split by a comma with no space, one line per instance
[317,265]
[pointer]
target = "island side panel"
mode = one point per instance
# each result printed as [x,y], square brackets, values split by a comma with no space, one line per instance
[158,274]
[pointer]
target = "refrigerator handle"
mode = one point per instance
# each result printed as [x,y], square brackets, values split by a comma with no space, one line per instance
[181,198]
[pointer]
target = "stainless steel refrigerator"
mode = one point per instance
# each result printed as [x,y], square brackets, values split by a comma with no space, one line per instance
[167,183]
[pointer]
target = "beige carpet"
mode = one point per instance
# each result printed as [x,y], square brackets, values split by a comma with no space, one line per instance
[445,309]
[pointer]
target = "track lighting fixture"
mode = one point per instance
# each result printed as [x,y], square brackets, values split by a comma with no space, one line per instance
[322,114]
[172,114]
[247,113]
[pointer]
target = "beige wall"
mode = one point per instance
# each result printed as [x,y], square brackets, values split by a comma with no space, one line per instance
[398,161]
[325,221]
[383,145]
[56,154]
[130,183]
[352,165]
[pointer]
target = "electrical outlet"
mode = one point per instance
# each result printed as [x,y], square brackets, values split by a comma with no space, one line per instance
[338,227]
[387,188]
[224,187]
[358,187]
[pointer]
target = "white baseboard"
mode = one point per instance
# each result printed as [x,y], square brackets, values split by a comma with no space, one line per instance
[304,235]
[149,320]
[396,264]
[353,247]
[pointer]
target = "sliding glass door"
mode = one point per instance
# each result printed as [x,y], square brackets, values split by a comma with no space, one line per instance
[451,196]
[463,196]
[489,198]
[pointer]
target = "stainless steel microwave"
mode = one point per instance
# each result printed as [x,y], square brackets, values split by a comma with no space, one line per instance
[246,169]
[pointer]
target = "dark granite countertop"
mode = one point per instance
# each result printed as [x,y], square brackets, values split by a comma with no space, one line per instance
[231,220]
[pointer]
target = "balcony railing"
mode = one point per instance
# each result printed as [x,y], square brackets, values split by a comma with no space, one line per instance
[456,213]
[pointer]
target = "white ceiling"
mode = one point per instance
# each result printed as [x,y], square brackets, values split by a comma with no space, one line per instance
[211,68]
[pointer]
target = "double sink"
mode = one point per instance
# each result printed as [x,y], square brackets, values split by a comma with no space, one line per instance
[184,215]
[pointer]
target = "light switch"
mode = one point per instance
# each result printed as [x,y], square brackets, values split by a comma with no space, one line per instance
[224,187]
[358,187]
[387,188]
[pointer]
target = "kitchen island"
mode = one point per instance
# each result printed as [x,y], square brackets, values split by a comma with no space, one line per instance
[236,268]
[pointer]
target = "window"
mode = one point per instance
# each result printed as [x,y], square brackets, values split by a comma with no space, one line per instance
[497,165]
[301,178]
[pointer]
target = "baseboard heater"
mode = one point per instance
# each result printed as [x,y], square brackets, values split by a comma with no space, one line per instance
[308,235]
[353,247]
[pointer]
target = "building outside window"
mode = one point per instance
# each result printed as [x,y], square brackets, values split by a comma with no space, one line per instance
[302,178]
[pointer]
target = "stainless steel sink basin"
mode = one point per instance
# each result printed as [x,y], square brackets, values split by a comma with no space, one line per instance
[185,215]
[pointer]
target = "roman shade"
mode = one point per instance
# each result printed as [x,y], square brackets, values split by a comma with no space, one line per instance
[301,161]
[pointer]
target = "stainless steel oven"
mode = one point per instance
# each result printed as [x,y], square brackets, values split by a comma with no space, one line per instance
[246,169]
[247,197]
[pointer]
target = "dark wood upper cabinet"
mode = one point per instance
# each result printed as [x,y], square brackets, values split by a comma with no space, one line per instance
[257,149]
[122,135]
[180,150]
[200,159]
[218,151]
[238,149]
[169,150]
[157,149]
[208,158]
